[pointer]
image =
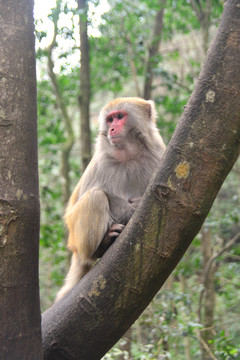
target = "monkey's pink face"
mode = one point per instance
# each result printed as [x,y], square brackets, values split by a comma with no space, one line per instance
[116,120]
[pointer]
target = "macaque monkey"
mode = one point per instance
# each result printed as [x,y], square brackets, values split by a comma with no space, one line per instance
[128,150]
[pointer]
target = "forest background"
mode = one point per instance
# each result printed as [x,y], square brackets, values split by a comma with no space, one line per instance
[196,315]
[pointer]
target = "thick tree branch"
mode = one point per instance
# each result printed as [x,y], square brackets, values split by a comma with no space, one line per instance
[204,147]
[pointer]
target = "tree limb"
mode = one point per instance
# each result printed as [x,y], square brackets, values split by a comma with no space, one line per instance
[196,5]
[205,345]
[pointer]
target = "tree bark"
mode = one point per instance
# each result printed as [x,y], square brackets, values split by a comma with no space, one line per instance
[20,322]
[206,143]
[84,98]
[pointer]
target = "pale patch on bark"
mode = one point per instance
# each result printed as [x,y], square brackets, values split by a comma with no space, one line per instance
[99,284]
[210,96]
[182,170]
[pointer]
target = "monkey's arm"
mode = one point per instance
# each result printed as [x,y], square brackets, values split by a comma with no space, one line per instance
[120,213]
[135,202]
[121,210]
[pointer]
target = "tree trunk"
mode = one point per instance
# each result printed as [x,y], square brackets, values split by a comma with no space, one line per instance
[153,51]
[20,334]
[84,98]
[203,12]
[67,147]
[202,151]
[207,333]
[207,296]
[131,56]
[126,348]
[186,339]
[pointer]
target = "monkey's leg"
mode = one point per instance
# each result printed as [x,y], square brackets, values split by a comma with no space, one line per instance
[88,221]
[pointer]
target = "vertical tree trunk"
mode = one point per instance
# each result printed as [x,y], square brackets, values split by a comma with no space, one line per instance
[186,339]
[127,346]
[132,65]
[84,98]
[153,50]
[67,147]
[209,294]
[203,12]
[20,334]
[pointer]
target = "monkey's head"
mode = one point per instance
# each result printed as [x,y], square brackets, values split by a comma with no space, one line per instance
[128,120]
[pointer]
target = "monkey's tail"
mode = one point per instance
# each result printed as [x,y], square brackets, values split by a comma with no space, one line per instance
[76,272]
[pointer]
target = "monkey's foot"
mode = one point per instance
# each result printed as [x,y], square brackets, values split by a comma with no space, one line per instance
[113,232]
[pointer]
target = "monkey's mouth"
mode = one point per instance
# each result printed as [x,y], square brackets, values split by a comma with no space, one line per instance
[115,139]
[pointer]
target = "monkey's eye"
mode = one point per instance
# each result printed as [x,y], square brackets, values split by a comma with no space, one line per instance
[120,116]
[109,119]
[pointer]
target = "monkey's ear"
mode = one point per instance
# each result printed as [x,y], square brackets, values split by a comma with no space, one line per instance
[152,111]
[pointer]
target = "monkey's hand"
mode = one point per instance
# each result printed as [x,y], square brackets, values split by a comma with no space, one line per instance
[113,232]
[134,202]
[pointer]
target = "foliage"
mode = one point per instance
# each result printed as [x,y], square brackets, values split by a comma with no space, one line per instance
[51,139]
[226,350]
[170,324]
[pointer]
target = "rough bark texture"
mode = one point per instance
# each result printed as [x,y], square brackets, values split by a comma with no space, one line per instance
[204,147]
[20,334]
[84,98]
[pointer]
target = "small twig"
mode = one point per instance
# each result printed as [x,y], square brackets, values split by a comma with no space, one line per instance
[206,347]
